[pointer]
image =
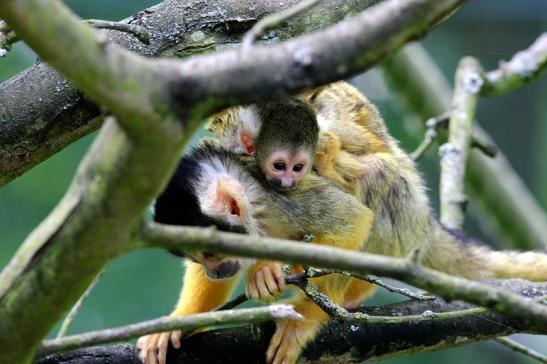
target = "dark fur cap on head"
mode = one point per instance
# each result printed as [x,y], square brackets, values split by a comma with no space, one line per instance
[289,122]
[178,203]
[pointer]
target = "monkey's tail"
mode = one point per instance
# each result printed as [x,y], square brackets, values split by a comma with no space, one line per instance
[454,254]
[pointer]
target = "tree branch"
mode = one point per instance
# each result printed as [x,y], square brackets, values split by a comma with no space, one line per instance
[190,238]
[513,345]
[498,190]
[339,51]
[349,342]
[455,152]
[186,324]
[42,113]
[275,20]
[523,67]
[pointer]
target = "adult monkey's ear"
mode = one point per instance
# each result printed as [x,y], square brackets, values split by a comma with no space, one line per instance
[225,197]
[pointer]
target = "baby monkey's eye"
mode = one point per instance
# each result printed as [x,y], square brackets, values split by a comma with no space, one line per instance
[280,166]
[298,167]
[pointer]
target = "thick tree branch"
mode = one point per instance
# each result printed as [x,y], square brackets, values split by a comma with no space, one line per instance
[92,59]
[495,186]
[339,51]
[349,342]
[42,113]
[190,238]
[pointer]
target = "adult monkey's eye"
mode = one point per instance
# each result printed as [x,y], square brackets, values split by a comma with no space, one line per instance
[280,166]
[298,167]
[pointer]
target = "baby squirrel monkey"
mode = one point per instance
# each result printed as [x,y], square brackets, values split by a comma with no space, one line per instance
[292,126]
[282,135]
[213,186]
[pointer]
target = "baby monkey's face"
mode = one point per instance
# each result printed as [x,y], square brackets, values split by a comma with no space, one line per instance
[284,167]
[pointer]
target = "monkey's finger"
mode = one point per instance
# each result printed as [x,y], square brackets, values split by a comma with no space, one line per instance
[261,284]
[251,290]
[279,277]
[175,339]
[151,357]
[162,346]
[142,346]
[141,342]
[273,347]
[148,351]
[271,282]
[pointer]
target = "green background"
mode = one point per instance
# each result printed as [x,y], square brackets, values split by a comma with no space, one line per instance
[144,284]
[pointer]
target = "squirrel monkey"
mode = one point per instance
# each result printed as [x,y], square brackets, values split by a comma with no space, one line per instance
[282,135]
[213,186]
[340,142]
[366,162]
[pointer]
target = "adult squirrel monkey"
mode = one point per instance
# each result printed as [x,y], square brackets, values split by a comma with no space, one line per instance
[368,163]
[213,186]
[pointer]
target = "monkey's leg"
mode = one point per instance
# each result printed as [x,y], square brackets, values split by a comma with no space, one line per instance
[380,172]
[357,291]
[199,294]
[291,336]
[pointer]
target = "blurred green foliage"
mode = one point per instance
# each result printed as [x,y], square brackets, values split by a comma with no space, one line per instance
[144,284]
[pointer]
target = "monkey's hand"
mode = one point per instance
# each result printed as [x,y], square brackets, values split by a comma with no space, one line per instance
[329,146]
[153,347]
[265,281]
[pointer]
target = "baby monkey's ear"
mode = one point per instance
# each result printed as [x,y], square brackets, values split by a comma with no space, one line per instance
[247,142]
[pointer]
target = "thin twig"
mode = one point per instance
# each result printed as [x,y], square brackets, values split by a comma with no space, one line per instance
[185,324]
[429,137]
[138,31]
[301,281]
[274,20]
[521,349]
[523,67]
[7,38]
[67,322]
[402,291]
[432,133]
[334,310]
[313,272]
[489,149]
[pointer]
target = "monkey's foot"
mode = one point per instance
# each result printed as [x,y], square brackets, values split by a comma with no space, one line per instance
[265,282]
[153,347]
[287,342]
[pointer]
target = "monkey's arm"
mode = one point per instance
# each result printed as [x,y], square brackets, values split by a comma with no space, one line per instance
[198,294]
